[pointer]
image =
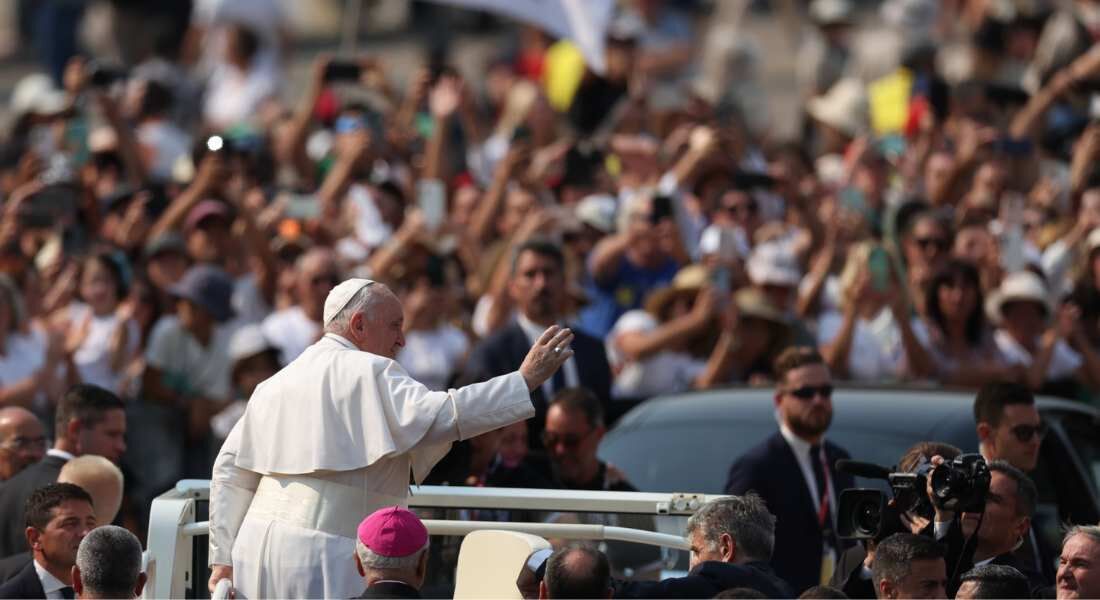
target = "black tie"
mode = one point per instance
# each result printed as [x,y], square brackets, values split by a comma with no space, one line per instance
[67,593]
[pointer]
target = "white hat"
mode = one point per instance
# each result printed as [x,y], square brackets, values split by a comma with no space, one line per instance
[831,12]
[772,264]
[843,107]
[598,210]
[248,341]
[1093,241]
[1019,286]
[340,295]
[36,93]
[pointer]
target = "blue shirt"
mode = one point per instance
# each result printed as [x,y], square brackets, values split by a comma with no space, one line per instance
[625,290]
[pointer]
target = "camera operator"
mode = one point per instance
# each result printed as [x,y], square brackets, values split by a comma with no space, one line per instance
[853,572]
[977,539]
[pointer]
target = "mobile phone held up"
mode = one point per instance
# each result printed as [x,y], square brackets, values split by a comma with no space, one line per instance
[878,264]
[662,209]
[342,70]
[431,197]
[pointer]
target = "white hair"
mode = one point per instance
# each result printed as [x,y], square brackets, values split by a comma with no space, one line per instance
[373,560]
[366,300]
[109,559]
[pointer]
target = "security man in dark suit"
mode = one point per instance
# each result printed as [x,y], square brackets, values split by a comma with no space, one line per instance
[732,540]
[57,516]
[794,471]
[89,420]
[537,288]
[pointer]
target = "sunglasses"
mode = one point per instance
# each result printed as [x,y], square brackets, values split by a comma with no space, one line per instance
[1024,433]
[570,441]
[808,392]
[932,242]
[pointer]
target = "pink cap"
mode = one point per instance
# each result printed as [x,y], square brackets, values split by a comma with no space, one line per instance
[203,210]
[393,532]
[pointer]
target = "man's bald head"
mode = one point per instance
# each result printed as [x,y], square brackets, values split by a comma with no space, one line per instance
[101,479]
[317,274]
[22,440]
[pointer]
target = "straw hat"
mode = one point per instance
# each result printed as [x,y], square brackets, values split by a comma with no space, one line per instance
[688,281]
[844,107]
[752,303]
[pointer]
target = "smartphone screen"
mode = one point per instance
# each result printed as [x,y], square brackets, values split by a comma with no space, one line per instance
[878,263]
[662,208]
[342,71]
[720,279]
[431,197]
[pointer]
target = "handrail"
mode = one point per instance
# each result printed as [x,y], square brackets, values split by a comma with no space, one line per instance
[570,531]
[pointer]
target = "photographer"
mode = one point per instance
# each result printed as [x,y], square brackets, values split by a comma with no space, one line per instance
[989,538]
[853,571]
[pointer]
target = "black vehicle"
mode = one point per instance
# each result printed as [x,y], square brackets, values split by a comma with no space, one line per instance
[687,442]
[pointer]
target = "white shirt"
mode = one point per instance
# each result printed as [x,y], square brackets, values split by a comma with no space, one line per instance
[59,454]
[1064,362]
[50,584]
[534,331]
[93,357]
[24,355]
[188,366]
[291,331]
[432,356]
[876,352]
[665,372]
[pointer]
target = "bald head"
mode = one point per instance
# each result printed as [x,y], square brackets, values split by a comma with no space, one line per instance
[22,440]
[317,274]
[101,479]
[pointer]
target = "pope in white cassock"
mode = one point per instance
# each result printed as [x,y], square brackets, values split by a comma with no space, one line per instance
[333,437]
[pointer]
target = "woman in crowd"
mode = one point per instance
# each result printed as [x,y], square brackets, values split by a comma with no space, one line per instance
[871,339]
[954,328]
[104,340]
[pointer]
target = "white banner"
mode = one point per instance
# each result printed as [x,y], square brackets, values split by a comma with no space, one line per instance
[584,22]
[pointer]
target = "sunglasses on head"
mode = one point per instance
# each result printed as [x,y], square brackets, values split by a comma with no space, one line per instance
[808,392]
[1024,433]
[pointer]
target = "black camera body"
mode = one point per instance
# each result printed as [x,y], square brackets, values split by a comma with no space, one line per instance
[959,485]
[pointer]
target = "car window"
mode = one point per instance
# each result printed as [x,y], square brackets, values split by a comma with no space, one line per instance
[1085,437]
[696,457]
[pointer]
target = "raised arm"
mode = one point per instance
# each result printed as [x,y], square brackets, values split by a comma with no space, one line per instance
[212,170]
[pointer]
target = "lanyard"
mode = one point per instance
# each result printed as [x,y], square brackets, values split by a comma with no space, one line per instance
[823,511]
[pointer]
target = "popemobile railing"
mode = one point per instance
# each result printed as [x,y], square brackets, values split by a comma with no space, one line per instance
[170,557]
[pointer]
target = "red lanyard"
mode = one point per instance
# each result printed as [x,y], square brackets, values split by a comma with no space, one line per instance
[823,509]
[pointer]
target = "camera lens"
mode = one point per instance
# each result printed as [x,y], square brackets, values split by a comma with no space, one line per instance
[867,517]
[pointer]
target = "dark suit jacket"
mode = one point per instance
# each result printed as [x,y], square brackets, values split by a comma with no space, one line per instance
[390,589]
[24,585]
[772,470]
[847,576]
[13,499]
[12,565]
[957,553]
[504,351]
[706,580]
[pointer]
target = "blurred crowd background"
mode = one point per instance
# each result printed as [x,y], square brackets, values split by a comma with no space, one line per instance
[909,185]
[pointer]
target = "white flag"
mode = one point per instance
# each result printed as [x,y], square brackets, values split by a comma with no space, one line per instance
[584,22]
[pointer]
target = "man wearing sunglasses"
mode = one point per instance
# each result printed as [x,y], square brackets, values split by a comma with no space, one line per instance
[794,471]
[1010,429]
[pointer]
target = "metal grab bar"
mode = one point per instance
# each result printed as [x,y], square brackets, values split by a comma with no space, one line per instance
[570,531]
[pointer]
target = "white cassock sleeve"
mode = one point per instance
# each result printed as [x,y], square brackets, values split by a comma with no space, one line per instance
[231,491]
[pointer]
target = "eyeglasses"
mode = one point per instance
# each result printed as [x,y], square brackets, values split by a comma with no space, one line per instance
[570,440]
[1024,433]
[808,392]
[936,243]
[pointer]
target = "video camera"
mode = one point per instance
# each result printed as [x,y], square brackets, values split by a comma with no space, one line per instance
[959,485]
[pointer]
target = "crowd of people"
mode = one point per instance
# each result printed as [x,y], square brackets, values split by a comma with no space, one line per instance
[177,209]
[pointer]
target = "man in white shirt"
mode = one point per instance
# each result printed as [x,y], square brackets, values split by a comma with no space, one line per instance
[334,435]
[58,516]
[293,329]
